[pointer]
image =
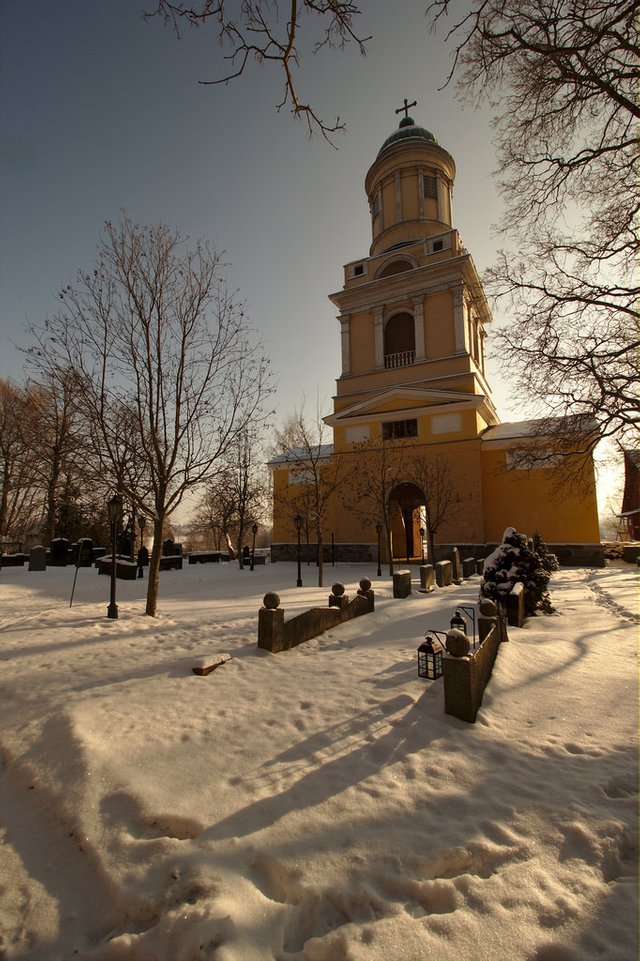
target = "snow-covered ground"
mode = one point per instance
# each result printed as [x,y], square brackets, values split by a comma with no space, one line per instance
[316,805]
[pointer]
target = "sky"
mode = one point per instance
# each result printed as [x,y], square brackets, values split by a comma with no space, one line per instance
[101,112]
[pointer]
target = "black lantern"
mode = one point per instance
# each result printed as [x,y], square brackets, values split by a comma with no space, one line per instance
[378,532]
[114,510]
[253,546]
[142,520]
[298,522]
[471,614]
[458,623]
[430,658]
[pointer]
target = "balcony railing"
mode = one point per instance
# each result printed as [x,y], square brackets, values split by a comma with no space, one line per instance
[402,359]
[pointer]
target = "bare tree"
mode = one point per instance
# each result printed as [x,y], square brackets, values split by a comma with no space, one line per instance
[20,493]
[432,474]
[236,497]
[154,332]
[252,31]
[562,79]
[377,466]
[52,432]
[321,472]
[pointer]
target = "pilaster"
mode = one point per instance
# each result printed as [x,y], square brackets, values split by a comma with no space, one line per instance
[345,343]
[378,328]
[418,327]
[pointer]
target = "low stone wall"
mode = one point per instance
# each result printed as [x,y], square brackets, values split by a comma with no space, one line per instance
[125,570]
[579,555]
[569,555]
[465,678]
[276,635]
[347,553]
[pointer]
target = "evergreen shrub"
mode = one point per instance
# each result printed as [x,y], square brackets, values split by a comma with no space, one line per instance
[515,560]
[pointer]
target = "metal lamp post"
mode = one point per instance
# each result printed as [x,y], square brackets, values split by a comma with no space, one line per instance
[378,532]
[142,520]
[114,510]
[253,546]
[422,533]
[298,522]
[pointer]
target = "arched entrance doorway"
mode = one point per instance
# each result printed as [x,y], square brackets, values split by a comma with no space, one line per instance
[406,514]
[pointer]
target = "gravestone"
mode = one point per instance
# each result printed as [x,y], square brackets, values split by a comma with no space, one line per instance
[456,566]
[444,575]
[59,553]
[168,548]
[427,578]
[401,583]
[85,550]
[144,556]
[468,566]
[38,559]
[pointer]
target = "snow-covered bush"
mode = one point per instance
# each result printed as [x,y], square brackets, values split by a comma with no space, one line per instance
[514,561]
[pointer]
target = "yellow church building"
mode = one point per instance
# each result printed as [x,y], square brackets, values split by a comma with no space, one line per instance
[420,460]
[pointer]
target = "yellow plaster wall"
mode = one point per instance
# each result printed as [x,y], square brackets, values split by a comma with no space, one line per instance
[525,499]
[361,343]
[389,202]
[409,194]
[438,325]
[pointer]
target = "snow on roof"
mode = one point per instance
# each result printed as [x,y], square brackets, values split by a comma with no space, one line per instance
[297,454]
[531,428]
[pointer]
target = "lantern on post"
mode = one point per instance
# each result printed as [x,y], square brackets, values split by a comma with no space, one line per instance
[378,532]
[254,531]
[422,533]
[114,511]
[430,658]
[298,522]
[459,623]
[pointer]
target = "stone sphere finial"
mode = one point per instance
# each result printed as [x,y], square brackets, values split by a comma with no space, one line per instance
[488,608]
[365,584]
[271,601]
[458,643]
[337,590]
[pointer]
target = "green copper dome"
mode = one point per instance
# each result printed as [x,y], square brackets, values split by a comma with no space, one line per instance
[407,131]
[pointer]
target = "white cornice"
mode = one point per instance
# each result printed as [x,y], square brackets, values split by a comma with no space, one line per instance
[421,401]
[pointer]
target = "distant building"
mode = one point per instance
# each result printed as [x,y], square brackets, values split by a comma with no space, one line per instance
[631,497]
[413,323]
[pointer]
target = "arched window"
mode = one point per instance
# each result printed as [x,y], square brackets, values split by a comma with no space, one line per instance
[395,267]
[399,341]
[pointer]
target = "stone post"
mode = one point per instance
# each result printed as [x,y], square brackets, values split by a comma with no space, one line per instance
[366,591]
[271,624]
[401,583]
[338,598]
[427,578]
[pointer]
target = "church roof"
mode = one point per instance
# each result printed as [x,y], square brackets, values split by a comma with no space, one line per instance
[407,130]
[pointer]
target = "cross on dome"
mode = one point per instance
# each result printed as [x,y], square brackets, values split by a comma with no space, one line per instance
[406,108]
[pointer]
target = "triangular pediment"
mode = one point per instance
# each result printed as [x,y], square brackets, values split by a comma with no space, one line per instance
[406,399]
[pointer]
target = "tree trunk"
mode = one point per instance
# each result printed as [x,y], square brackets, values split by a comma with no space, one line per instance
[320,569]
[4,500]
[154,567]
[432,548]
